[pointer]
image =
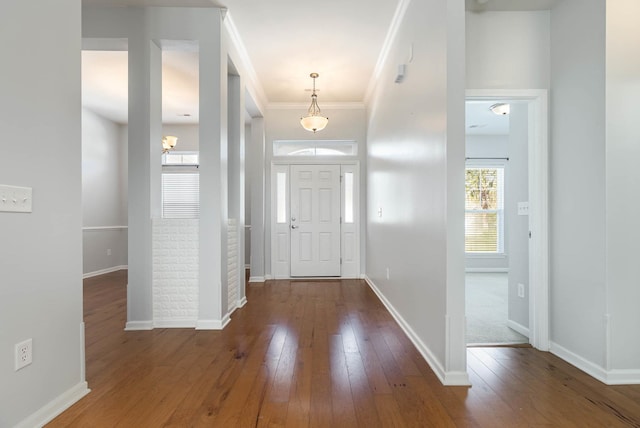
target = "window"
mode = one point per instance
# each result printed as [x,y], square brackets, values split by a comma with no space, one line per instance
[180,185]
[281,197]
[348,197]
[315,148]
[484,210]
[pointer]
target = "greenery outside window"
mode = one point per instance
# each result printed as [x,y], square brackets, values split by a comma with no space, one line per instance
[484,209]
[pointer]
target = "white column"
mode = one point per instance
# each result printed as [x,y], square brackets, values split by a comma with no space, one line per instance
[212,312]
[145,127]
[236,114]
[255,162]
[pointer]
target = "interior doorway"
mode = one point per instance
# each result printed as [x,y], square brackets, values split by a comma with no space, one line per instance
[506,217]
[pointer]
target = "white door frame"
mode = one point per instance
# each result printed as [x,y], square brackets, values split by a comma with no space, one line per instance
[280,233]
[538,162]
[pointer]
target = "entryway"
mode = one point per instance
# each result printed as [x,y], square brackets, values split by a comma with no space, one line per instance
[506,218]
[315,220]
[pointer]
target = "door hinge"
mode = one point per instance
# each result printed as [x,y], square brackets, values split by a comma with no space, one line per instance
[340,260]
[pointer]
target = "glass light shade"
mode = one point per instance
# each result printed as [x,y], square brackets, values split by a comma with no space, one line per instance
[500,109]
[314,123]
[168,143]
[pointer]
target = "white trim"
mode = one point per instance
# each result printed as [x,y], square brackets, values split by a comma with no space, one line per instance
[325,106]
[396,24]
[538,165]
[103,271]
[138,325]
[213,324]
[578,361]
[447,378]
[486,270]
[257,279]
[260,95]
[247,266]
[241,302]
[267,277]
[83,359]
[177,323]
[608,377]
[623,377]
[55,407]
[99,228]
[518,327]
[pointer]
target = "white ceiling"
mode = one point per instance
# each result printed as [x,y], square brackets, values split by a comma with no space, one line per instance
[285,41]
[479,120]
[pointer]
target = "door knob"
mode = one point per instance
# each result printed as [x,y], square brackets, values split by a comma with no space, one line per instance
[293,226]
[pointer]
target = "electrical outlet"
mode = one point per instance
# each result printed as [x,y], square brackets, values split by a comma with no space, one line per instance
[108,251]
[521,290]
[387,273]
[24,354]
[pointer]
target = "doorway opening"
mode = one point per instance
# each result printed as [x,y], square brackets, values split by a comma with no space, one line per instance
[506,230]
[315,219]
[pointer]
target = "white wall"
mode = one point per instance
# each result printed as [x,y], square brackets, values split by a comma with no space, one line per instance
[507,50]
[623,176]
[41,252]
[415,162]
[517,226]
[188,136]
[577,170]
[103,154]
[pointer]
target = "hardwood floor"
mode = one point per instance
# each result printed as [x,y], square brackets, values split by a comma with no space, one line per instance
[317,354]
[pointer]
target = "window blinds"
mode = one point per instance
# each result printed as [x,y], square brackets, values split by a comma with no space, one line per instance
[180,195]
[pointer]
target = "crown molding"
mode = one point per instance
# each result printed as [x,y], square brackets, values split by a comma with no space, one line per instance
[255,88]
[325,106]
[394,28]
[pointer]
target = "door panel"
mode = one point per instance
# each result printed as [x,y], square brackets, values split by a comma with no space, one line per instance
[315,220]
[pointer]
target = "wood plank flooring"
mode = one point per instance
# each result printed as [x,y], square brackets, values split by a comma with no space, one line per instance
[317,354]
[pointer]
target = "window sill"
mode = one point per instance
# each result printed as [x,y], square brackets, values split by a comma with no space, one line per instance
[498,256]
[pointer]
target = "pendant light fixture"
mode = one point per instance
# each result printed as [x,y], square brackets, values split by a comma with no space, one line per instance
[168,143]
[314,121]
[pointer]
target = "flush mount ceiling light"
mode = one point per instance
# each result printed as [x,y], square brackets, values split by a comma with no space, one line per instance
[500,109]
[168,143]
[314,121]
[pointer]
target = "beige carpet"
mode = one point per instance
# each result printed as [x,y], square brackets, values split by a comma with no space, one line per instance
[486,311]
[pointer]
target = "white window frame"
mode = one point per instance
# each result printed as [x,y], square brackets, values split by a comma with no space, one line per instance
[489,164]
[176,168]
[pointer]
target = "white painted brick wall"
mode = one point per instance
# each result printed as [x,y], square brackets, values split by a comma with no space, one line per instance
[175,272]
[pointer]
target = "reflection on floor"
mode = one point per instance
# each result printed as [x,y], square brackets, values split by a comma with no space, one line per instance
[487,304]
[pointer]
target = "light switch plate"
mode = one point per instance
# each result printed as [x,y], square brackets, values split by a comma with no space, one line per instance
[523,208]
[15,199]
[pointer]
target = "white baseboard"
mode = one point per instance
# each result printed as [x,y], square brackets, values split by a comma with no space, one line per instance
[623,377]
[256,279]
[138,325]
[447,378]
[242,302]
[52,409]
[487,270]
[609,377]
[213,324]
[177,323]
[103,271]
[267,277]
[518,327]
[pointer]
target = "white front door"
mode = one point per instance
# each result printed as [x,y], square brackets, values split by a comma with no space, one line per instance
[315,220]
